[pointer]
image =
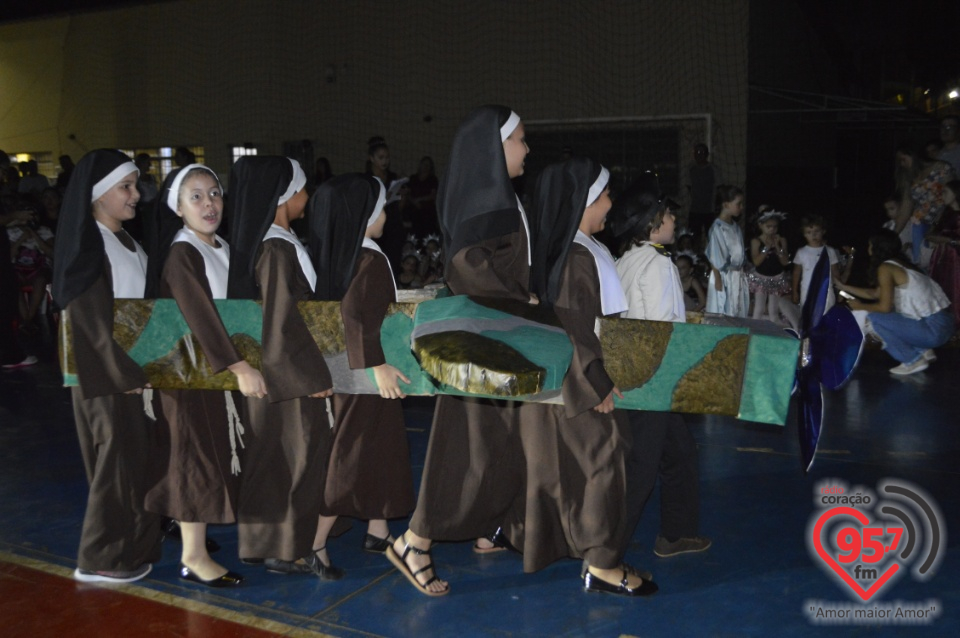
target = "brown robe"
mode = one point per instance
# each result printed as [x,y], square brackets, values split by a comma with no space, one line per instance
[198,486]
[575,474]
[116,439]
[475,461]
[369,475]
[287,437]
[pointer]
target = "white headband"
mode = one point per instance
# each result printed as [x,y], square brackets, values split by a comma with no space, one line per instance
[509,126]
[174,194]
[296,184]
[378,209]
[112,179]
[597,189]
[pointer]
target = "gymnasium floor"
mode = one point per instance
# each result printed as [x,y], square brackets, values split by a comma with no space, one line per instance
[758,579]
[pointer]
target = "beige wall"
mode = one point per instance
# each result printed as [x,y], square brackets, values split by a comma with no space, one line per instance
[31,75]
[215,73]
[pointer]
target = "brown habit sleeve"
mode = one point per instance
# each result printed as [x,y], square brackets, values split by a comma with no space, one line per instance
[185,279]
[363,309]
[292,364]
[578,305]
[102,366]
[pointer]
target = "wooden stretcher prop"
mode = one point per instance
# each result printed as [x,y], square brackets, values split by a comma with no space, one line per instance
[506,350]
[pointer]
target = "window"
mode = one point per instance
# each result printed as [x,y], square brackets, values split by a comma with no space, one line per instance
[45,163]
[236,152]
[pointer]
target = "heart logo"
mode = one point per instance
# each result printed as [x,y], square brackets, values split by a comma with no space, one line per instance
[864,594]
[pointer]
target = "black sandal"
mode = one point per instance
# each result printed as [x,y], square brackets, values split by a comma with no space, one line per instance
[400,562]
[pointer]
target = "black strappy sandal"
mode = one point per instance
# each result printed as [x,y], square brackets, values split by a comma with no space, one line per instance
[400,562]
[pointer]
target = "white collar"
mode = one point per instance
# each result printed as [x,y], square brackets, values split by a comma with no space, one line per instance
[612,299]
[279,232]
[372,245]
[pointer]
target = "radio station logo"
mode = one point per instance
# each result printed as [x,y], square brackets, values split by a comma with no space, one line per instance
[867,541]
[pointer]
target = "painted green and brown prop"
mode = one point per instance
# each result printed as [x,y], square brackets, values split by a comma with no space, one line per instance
[497,349]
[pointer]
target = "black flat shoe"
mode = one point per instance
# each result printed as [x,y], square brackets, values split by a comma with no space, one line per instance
[280,566]
[499,541]
[595,584]
[171,530]
[324,572]
[252,561]
[230,579]
[630,569]
[375,545]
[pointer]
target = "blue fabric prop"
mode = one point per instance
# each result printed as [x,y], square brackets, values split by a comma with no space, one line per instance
[831,344]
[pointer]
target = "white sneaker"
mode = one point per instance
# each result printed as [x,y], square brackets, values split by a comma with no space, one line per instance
[903,369]
[929,355]
[29,361]
[85,576]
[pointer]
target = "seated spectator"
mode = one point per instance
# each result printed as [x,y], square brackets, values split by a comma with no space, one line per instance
[694,296]
[11,353]
[906,310]
[50,202]
[409,276]
[31,250]
[431,264]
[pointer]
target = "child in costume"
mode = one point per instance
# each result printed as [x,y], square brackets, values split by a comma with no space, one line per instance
[191,265]
[727,290]
[474,468]
[287,441]
[575,502]
[369,476]
[662,443]
[768,279]
[96,261]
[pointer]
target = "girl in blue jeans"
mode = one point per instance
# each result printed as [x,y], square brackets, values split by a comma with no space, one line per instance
[907,310]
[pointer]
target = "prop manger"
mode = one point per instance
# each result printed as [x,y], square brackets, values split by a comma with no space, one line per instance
[496,349]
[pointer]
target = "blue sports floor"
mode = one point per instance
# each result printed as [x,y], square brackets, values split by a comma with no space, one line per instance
[756,505]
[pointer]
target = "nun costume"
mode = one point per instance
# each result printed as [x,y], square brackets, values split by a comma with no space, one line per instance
[287,435]
[369,475]
[576,478]
[474,466]
[201,469]
[95,262]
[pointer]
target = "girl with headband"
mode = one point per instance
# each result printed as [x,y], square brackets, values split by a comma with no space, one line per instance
[96,261]
[369,475]
[575,502]
[190,265]
[288,432]
[474,464]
